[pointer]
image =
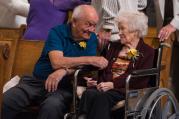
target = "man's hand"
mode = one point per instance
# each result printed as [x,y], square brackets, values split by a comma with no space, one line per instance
[100,62]
[90,82]
[53,80]
[166,31]
[105,86]
[103,37]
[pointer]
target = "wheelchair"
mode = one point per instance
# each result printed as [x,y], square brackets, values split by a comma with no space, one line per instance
[148,103]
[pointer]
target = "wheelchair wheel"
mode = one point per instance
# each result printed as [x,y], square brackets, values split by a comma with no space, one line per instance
[161,104]
[70,116]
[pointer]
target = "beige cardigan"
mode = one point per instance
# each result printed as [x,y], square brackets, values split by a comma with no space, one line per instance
[12,12]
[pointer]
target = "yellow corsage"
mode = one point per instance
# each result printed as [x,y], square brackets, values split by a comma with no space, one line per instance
[82,44]
[132,54]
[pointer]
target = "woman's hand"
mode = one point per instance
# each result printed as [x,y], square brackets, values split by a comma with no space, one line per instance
[90,82]
[105,86]
[53,80]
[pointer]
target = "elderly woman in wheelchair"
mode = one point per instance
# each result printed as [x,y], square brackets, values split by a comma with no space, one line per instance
[124,56]
[130,81]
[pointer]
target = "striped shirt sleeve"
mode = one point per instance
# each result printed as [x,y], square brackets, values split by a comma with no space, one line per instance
[110,9]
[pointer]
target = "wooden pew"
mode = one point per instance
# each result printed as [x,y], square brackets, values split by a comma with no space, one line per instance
[17,57]
[8,42]
[2,64]
[10,37]
[27,53]
[22,54]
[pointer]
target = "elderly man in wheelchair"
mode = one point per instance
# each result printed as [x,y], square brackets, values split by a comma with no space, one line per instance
[129,60]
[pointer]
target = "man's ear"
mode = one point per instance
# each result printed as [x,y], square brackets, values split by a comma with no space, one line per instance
[73,22]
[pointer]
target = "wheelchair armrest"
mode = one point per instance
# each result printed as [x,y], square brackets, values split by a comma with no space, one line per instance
[141,73]
[87,68]
[145,72]
[76,74]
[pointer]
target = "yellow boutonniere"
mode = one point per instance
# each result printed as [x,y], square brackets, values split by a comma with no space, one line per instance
[83,44]
[132,54]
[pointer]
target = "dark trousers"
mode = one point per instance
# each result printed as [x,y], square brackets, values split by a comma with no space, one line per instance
[31,91]
[97,105]
[175,68]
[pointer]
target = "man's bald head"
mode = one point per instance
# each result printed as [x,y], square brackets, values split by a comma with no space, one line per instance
[84,11]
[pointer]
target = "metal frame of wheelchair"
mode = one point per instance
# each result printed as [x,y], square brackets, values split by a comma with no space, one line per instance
[147,103]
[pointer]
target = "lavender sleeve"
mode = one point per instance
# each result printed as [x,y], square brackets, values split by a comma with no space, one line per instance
[65,5]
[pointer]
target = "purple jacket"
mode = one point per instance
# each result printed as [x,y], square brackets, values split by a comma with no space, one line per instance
[44,15]
[144,61]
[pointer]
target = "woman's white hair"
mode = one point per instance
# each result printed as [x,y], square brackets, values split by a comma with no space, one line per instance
[137,21]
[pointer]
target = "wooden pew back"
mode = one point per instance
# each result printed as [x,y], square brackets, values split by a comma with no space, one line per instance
[21,55]
[27,54]
[9,37]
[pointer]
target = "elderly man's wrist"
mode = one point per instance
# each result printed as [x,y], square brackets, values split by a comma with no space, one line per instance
[66,70]
[90,60]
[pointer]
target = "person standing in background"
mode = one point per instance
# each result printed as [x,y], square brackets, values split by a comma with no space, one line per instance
[45,14]
[13,13]
[107,11]
[167,18]
[167,13]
